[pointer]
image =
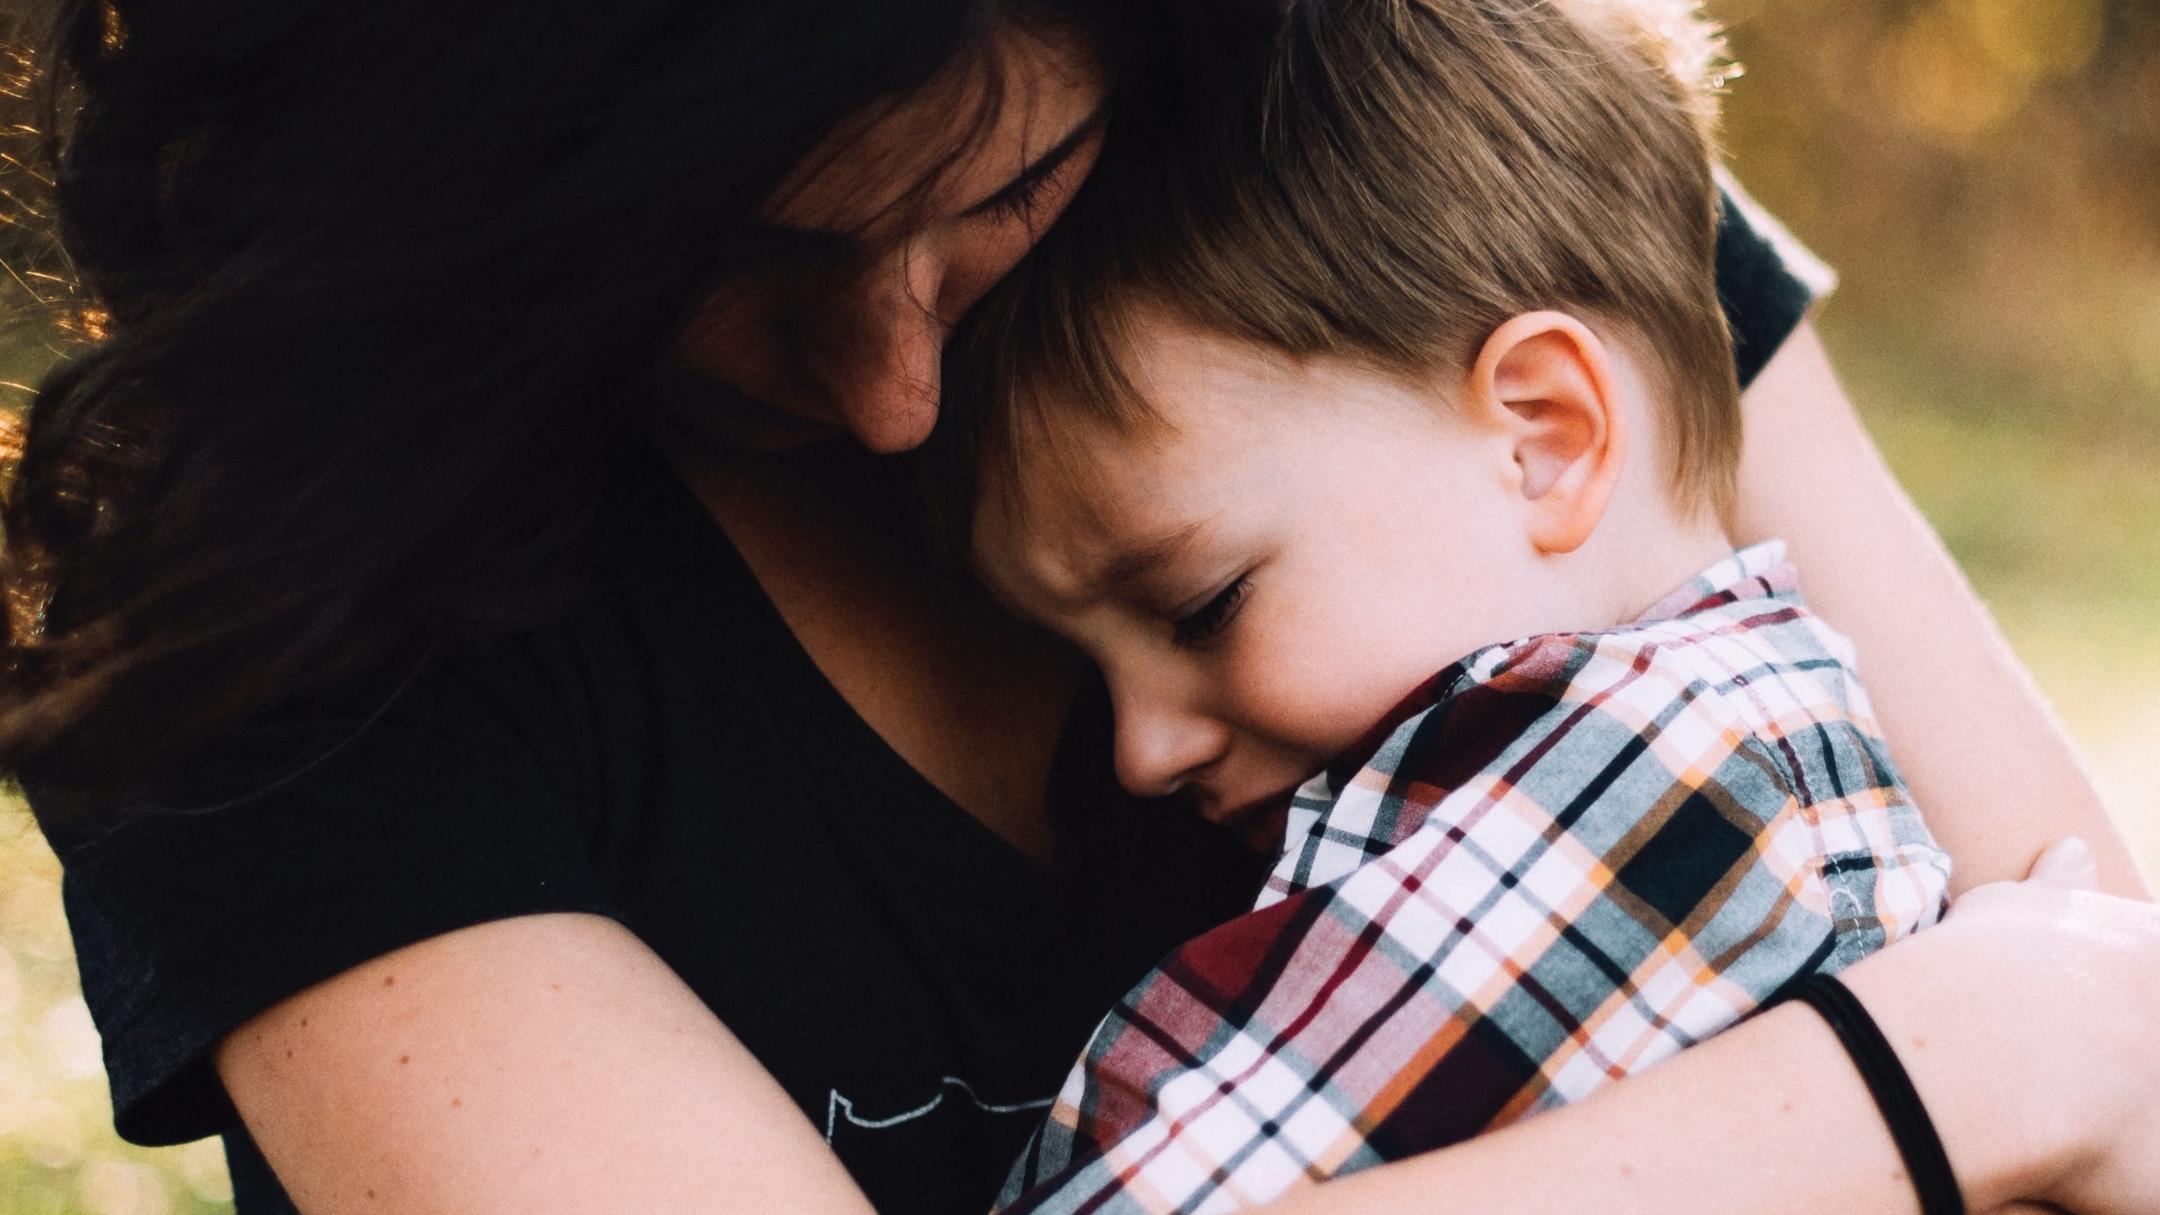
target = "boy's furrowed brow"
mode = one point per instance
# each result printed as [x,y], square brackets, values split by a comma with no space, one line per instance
[1135,559]
[1043,165]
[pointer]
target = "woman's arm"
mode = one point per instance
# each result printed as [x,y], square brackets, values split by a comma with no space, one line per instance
[1986,760]
[1771,1116]
[547,1063]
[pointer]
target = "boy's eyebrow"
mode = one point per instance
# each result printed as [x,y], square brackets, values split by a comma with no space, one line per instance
[1137,558]
[1046,164]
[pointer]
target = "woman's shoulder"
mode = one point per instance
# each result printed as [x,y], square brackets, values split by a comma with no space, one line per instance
[489,776]
[1767,280]
[317,838]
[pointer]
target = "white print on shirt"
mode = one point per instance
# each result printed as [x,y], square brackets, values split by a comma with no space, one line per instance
[838,1107]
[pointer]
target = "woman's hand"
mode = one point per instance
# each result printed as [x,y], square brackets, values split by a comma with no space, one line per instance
[2033,1025]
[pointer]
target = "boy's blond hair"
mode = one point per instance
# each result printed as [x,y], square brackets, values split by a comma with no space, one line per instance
[1385,181]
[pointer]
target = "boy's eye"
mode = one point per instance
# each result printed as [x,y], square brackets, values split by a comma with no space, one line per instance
[1212,617]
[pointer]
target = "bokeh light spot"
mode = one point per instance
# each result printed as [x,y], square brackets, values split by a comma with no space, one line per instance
[2033,39]
[1944,83]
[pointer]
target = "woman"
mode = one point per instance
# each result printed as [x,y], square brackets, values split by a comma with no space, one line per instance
[503,776]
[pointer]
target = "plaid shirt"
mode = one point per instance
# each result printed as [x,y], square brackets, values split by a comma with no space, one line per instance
[1570,857]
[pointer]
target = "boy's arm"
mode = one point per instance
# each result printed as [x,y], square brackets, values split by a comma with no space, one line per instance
[1971,734]
[1628,873]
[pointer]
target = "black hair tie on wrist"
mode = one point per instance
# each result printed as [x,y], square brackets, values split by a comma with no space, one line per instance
[1925,1160]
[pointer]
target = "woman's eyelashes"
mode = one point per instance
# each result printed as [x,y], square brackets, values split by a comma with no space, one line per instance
[1020,204]
[1039,190]
[1209,620]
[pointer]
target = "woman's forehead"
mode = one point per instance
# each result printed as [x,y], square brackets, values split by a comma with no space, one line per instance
[940,151]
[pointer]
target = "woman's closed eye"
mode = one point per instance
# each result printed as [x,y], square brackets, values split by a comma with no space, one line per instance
[1020,202]
[1205,622]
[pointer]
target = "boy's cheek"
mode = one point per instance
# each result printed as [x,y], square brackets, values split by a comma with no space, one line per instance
[1352,675]
[1309,712]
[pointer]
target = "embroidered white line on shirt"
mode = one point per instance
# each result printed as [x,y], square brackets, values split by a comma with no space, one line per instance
[838,1107]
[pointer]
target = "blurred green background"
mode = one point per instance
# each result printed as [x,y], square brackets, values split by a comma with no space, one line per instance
[1985,176]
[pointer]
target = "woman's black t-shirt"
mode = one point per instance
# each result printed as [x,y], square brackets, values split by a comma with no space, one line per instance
[670,757]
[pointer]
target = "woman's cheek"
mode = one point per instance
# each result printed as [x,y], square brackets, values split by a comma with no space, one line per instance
[715,341]
[976,264]
[733,340]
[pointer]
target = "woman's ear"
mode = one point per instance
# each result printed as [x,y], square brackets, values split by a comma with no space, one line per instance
[1548,380]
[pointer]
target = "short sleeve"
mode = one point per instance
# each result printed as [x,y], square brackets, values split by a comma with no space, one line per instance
[1767,280]
[439,811]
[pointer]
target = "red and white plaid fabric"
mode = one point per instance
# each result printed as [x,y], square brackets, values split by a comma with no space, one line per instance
[1573,856]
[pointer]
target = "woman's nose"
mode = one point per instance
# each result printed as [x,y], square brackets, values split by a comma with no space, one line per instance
[886,389]
[1162,747]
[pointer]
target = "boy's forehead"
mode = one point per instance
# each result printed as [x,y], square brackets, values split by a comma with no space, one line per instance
[1184,367]
[1086,502]
[1055,524]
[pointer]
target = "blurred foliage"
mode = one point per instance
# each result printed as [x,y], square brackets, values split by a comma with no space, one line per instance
[58,1155]
[1985,174]
[37,297]
[57,1150]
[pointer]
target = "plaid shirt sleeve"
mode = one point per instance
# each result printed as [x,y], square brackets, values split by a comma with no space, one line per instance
[1589,852]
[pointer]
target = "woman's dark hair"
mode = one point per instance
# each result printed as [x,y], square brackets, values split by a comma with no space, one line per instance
[378,280]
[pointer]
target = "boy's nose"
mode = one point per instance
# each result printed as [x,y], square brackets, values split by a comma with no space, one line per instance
[1161,748]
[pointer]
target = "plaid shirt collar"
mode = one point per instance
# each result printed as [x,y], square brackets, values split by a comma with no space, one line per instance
[1759,571]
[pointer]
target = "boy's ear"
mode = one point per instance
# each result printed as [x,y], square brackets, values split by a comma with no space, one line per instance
[1547,379]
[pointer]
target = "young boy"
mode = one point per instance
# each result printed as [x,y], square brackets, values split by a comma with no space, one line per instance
[1411,349]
